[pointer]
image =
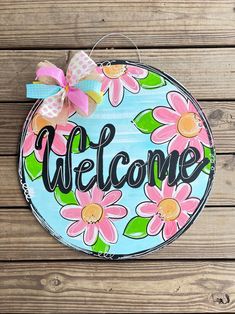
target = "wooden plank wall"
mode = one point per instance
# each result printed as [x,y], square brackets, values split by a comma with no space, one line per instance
[194,41]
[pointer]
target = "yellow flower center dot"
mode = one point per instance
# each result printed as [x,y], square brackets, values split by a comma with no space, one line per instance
[114,71]
[189,124]
[168,209]
[92,213]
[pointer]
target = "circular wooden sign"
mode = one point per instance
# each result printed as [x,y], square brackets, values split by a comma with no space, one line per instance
[130,178]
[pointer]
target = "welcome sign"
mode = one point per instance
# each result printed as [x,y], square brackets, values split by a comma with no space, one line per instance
[128,179]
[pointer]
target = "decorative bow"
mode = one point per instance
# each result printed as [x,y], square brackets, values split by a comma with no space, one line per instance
[80,87]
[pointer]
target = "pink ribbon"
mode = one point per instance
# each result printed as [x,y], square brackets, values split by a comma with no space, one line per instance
[78,98]
[54,72]
[79,67]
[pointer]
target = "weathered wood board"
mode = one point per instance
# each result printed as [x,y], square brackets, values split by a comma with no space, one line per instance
[206,73]
[221,115]
[207,238]
[79,24]
[221,195]
[128,287]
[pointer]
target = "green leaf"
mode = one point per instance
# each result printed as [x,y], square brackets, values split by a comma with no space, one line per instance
[137,228]
[76,142]
[208,153]
[158,182]
[33,167]
[65,198]
[145,122]
[151,81]
[100,246]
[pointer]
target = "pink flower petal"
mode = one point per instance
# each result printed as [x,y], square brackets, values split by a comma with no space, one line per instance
[182,192]
[167,191]
[165,115]
[192,107]
[130,83]
[28,145]
[163,134]
[194,142]
[96,194]
[90,234]
[71,212]
[105,84]
[203,137]
[83,198]
[107,230]
[115,92]
[111,197]
[169,229]
[153,193]
[146,209]
[39,153]
[116,211]
[76,228]
[59,144]
[178,143]
[177,102]
[99,69]
[155,225]
[137,71]
[190,205]
[65,129]
[182,219]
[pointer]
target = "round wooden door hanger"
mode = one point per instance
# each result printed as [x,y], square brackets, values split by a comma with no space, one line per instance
[129,177]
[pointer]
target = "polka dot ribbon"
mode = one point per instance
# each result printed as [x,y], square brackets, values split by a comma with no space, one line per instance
[81,84]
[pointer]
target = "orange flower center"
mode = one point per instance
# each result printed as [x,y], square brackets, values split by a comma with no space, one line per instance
[114,71]
[189,124]
[168,209]
[92,213]
[39,122]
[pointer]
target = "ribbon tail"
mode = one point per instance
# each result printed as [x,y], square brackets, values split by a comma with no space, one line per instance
[92,88]
[41,91]
[79,100]
[52,106]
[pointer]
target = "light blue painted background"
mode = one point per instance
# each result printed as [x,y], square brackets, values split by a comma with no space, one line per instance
[127,138]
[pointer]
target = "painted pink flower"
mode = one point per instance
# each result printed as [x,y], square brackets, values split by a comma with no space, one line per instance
[183,126]
[94,215]
[116,77]
[168,208]
[59,142]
